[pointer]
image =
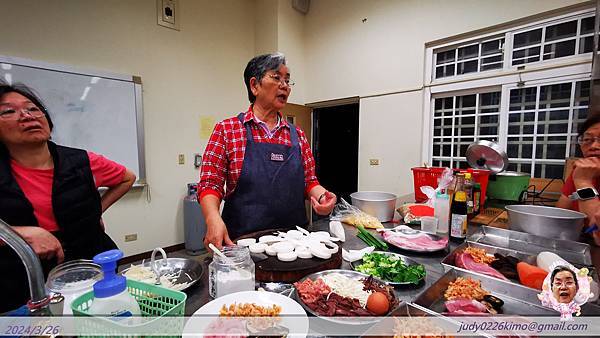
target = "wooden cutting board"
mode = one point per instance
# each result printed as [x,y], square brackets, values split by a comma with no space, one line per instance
[270,269]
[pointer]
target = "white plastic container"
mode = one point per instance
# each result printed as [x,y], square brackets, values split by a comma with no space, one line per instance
[110,294]
[72,279]
[442,211]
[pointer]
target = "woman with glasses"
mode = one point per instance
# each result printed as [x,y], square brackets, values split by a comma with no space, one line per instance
[49,193]
[580,191]
[264,161]
[564,284]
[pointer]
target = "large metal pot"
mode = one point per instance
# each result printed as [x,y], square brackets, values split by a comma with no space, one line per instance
[375,203]
[544,221]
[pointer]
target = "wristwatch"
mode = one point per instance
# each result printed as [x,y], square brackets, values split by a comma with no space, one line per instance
[584,194]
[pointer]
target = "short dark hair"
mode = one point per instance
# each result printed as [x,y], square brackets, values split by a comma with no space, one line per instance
[22,89]
[258,66]
[589,122]
[561,268]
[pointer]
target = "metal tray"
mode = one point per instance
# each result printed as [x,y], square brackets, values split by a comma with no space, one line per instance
[191,270]
[404,259]
[339,320]
[576,253]
[522,300]
[448,261]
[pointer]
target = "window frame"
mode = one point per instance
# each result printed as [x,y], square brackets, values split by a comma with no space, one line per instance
[570,68]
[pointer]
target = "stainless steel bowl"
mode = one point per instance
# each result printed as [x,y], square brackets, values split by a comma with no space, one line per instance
[375,203]
[547,222]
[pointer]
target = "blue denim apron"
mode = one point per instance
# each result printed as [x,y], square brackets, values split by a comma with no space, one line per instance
[270,190]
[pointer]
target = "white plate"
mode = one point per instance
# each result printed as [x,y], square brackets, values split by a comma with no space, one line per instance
[292,314]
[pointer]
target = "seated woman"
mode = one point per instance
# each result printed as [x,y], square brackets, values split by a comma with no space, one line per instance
[49,193]
[580,191]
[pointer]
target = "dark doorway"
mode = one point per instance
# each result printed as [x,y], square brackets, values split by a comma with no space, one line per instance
[335,131]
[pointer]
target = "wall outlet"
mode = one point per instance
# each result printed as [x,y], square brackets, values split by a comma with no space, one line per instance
[130,237]
[168,13]
[181,159]
[374,161]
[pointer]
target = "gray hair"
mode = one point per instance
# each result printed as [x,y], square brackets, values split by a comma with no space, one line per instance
[258,66]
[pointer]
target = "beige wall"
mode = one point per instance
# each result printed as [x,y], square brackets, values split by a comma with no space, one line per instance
[187,74]
[347,57]
[197,72]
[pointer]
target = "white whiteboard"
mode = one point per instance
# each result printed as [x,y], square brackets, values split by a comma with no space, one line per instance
[91,110]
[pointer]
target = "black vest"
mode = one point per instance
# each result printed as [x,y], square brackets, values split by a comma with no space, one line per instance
[77,209]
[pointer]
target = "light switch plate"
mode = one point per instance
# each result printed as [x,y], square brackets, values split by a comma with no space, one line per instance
[181,158]
[374,161]
[168,13]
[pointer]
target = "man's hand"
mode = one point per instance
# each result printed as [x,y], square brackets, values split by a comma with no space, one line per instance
[44,244]
[216,232]
[326,203]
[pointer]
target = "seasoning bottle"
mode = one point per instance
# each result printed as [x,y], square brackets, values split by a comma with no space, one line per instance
[458,223]
[476,198]
[468,188]
[232,274]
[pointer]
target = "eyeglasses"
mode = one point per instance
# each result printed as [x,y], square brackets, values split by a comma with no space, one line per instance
[282,81]
[568,284]
[584,140]
[13,114]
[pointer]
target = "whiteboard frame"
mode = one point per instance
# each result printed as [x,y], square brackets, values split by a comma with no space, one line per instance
[136,80]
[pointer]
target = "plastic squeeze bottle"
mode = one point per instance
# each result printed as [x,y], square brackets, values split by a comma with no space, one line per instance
[110,293]
[442,211]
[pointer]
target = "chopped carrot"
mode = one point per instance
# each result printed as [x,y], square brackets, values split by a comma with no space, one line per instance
[531,275]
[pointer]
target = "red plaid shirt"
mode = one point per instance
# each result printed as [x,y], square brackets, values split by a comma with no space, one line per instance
[224,154]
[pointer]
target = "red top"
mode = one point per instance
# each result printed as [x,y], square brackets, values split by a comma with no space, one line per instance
[224,154]
[37,185]
[569,188]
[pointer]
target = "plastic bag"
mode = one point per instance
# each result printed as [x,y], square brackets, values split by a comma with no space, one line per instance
[445,181]
[347,213]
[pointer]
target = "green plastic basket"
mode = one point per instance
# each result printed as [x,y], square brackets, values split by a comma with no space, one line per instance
[154,301]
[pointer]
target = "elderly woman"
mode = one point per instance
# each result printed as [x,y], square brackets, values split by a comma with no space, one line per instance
[265,161]
[564,284]
[49,193]
[580,191]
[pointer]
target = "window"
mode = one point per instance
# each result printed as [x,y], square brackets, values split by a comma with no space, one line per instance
[534,114]
[459,121]
[475,57]
[554,41]
[542,126]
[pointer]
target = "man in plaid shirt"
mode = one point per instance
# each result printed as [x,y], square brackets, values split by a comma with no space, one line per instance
[264,161]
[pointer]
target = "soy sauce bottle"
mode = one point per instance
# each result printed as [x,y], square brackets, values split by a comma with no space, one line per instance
[458,222]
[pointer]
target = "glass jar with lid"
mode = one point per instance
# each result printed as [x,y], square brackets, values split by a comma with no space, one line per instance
[72,279]
[232,274]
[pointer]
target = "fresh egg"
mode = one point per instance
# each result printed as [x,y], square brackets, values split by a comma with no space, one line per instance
[287,256]
[246,241]
[257,247]
[546,259]
[270,251]
[378,303]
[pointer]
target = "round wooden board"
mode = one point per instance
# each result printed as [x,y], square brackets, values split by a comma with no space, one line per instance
[273,270]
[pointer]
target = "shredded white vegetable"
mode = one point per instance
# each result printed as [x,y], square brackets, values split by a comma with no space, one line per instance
[144,274]
[347,287]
